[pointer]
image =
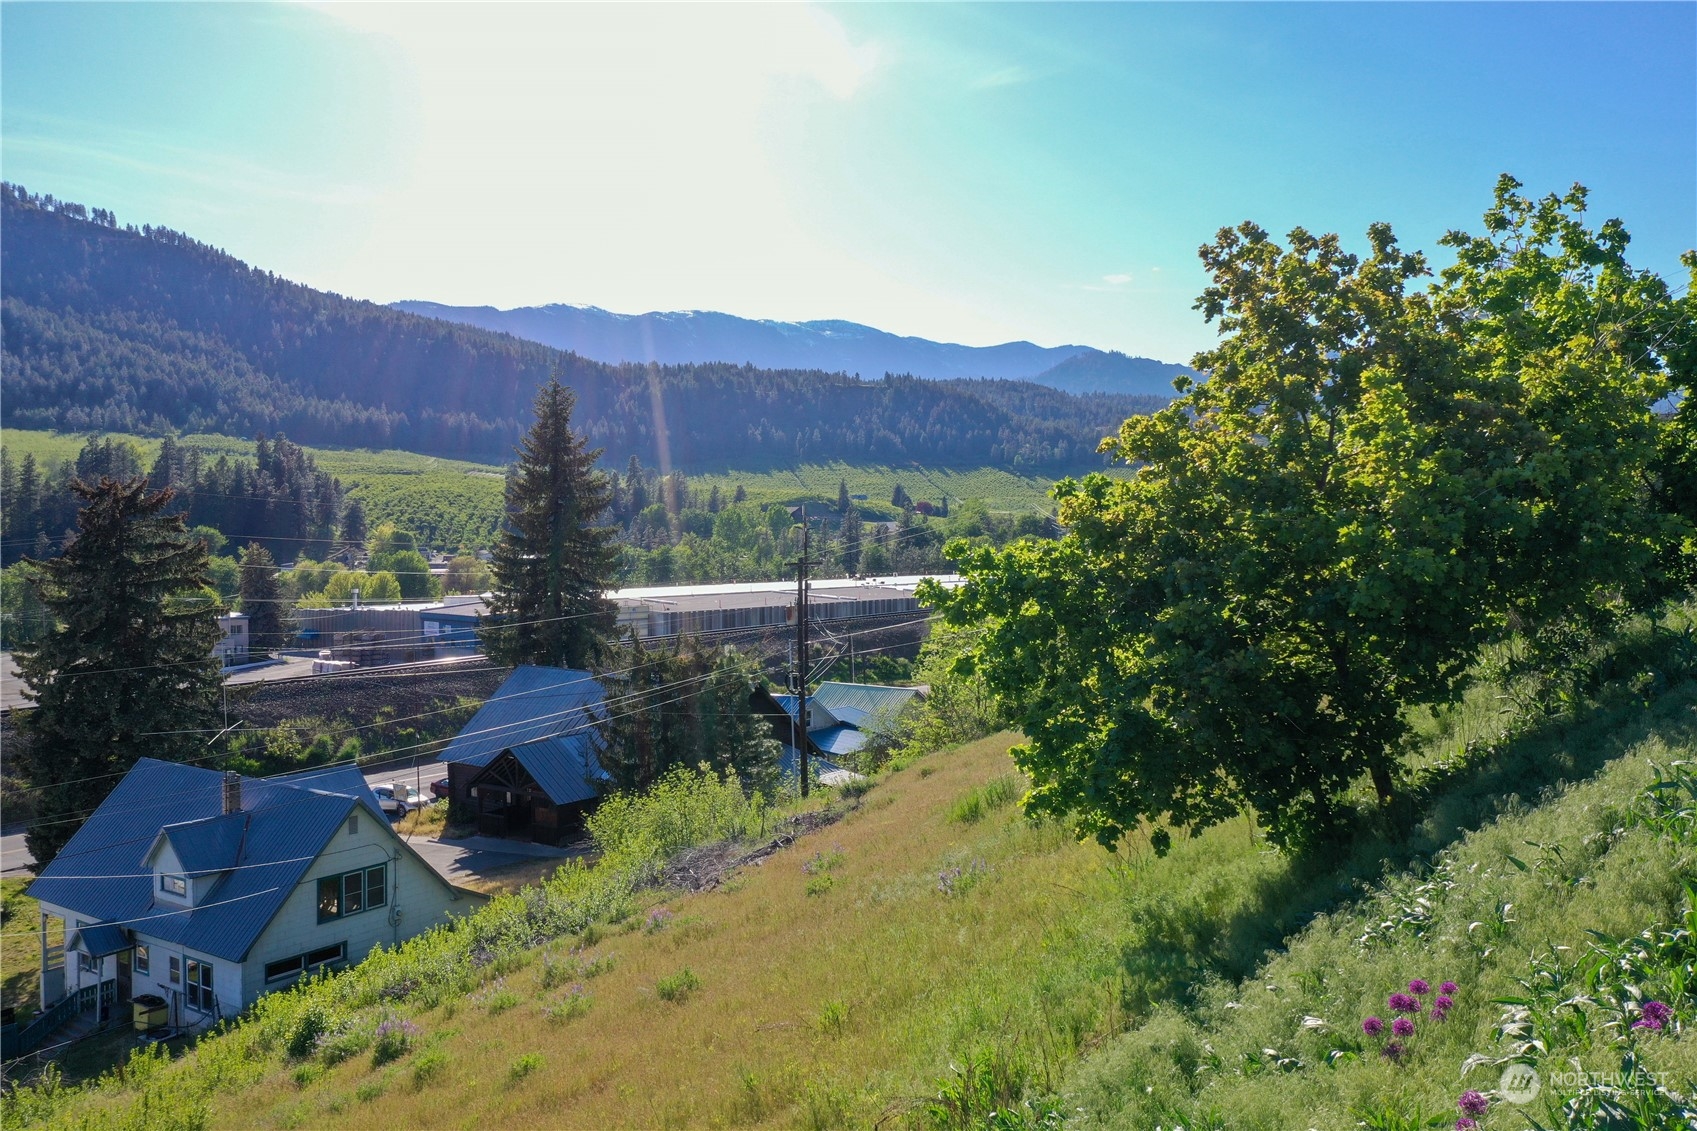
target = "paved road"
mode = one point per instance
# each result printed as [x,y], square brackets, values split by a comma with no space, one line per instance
[15,859]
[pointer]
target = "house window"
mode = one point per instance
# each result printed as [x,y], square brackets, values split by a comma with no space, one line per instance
[176,970]
[353,824]
[175,884]
[200,985]
[141,960]
[310,961]
[87,963]
[352,892]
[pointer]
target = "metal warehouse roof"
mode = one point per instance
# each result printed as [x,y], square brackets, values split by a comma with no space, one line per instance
[284,823]
[534,703]
[864,698]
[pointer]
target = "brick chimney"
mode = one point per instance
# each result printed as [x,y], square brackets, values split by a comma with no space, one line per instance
[232,792]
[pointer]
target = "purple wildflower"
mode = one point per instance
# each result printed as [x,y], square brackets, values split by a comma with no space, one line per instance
[1465,1124]
[1658,1012]
[1419,986]
[1402,1003]
[1372,1026]
[1393,1051]
[1449,988]
[1473,1103]
[1646,1023]
[1444,1001]
[1402,1027]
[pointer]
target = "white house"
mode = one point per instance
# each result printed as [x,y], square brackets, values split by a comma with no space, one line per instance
[208,889]
[232,647]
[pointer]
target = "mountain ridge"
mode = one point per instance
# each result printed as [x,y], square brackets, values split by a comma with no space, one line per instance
[683,337]
[147,330]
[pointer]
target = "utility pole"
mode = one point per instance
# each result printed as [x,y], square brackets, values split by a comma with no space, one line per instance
[798,729]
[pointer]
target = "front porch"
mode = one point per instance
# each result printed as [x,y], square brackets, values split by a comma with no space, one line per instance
[511,804]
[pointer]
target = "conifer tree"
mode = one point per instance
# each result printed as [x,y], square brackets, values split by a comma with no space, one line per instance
[129,673]
[553,563]
[262,600]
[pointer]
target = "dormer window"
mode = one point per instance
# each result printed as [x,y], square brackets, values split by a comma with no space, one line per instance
[174,884]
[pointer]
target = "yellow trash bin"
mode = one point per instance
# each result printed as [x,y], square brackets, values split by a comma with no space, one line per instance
[150,1012]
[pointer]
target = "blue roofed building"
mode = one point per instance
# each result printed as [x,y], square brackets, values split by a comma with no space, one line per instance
[208,889]
[528,763]
[841,718]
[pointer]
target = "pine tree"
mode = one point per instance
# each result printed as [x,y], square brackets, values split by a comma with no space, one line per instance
[842,496]
[851,540]
[130,673]
[552,564]
[353,524]
[262,600]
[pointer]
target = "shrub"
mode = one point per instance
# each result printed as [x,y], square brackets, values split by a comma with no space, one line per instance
[428,1066]
[314,1021]
[393,1040]
[997,793]
[575,1004]
[524,1066]
[344,1044]
[502,1000]
[833,1018]
[677,987]
[820,884]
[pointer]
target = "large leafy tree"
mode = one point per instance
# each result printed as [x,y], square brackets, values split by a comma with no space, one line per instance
[553,561]
[129,671]
[1373,482]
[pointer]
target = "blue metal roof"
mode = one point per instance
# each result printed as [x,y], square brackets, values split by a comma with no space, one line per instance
[99,874]
[210,844]
[97,941]
[534,703]
[789,764]
[343,777]
[838,740]
[566,768]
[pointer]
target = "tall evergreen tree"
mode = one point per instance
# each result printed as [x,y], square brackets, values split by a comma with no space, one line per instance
[262,600]
[552,563]
[130,673]
[353,524]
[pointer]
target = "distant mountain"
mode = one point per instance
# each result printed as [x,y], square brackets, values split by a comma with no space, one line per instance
[117,328]
[694,336]
[1094,371]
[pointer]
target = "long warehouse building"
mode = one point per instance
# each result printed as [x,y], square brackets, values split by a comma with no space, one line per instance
[377,634]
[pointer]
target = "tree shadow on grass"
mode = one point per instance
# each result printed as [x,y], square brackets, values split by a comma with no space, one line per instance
[1180,944]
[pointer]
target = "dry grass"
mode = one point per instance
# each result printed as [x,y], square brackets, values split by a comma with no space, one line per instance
[428,822]
[809,1009]
[512,877]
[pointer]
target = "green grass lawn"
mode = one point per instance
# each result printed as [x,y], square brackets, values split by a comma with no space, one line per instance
[20,948]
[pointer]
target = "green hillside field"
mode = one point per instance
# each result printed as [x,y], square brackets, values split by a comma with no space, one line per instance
[934,959]
[453,503]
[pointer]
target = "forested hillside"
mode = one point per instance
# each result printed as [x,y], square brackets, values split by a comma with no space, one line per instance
[146,330]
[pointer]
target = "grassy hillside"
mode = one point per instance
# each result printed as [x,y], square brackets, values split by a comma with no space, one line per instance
[933,957]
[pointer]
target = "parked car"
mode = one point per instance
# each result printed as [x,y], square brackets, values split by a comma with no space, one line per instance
[397,800]
[441,788]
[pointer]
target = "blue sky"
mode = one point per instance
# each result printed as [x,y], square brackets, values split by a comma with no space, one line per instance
[973,173]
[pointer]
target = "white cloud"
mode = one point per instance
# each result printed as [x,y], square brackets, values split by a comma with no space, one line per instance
[1118,280]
